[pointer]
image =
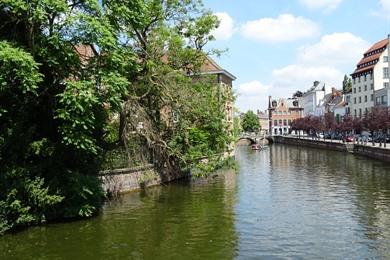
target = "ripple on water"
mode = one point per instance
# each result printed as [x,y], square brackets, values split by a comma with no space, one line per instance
[285,203]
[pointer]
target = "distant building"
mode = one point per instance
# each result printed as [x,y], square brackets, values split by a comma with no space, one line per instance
[263,121]
[311,99]
[370,75]
[334,103]
[281,114]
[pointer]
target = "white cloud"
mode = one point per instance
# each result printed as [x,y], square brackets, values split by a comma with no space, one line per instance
[385,4]
[327,61]
[300,77]
[251,95]
[285,28]
[321,4]
[253,88]
[384,10]
[334,49]
[226,27]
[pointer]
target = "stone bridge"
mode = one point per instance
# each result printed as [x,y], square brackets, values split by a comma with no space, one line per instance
[253,138]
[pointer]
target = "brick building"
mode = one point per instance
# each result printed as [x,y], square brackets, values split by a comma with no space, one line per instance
[282,113]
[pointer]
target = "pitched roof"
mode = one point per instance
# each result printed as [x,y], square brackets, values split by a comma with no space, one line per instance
[378,45]
[371,57]
[211,67]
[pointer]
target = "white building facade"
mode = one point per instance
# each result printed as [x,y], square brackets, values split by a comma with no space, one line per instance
[311,100]
[371,74]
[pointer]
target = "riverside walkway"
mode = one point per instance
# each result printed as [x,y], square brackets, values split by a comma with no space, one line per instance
[375,151]
[355,142]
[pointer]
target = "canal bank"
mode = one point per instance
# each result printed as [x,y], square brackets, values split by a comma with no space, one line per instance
[375,152]
[119,181]
[286,202]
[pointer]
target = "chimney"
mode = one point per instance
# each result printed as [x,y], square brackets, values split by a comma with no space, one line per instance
[269,101]
[334,92]
[316,83]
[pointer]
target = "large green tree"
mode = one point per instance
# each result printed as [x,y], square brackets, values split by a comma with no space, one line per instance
[61,110]
[250,122]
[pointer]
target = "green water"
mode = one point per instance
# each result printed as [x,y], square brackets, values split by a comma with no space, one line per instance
[284,203]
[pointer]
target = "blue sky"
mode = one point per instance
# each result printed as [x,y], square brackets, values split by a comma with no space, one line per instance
[278,47]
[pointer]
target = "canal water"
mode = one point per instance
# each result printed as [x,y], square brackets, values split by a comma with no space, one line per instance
[286,202]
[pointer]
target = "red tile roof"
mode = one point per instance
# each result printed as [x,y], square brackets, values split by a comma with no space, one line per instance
[371,58]
[364,69]
[378,45]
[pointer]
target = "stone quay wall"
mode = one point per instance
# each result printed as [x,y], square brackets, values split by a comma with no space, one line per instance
[375,152]
[378,153]
[130,179]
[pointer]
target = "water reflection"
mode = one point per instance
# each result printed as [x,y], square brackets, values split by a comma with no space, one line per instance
[308,203]
[192,220]
[285,203]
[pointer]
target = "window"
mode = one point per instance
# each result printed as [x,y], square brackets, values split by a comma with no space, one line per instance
[365,99]
[372,97]
[280,122]
[354,80]
[354,90]
[365,87]
[385,59]
[370,75]
[372,86]
[285,122]
[289,122]
[359,79]
[360,99]
[354,100]
[378,100]
[385,73]
[355,113]
[360,89]
[360,112]
[365,77]
[275,122]
[384,100]
[366,111]
[386,84]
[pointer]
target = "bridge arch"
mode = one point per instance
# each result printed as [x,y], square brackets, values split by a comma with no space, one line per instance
[254,139]
[248,140]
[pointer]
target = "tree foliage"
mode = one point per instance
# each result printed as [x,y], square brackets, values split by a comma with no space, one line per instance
[347,84]
[250,123]
[62,108]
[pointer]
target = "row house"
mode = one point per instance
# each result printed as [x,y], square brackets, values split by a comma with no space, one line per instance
[282,113]
[370,75]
